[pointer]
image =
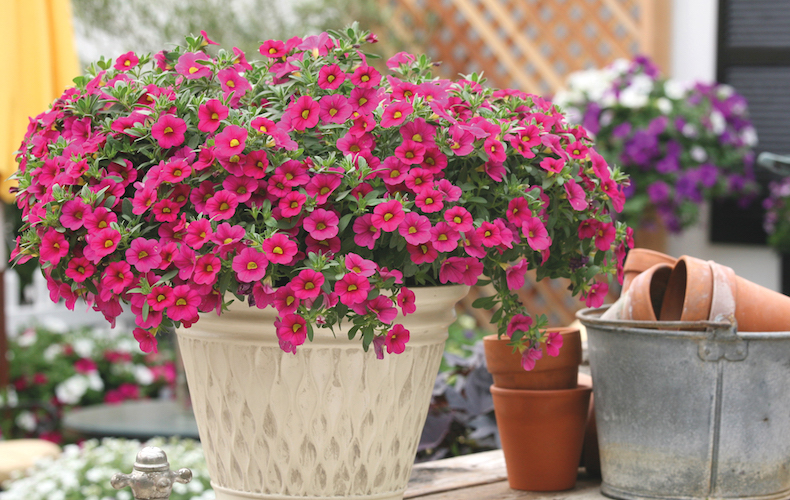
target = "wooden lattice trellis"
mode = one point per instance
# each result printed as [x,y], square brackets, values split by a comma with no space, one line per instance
[531,45]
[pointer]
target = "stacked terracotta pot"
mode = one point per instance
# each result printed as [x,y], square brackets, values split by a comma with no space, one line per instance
[541,414]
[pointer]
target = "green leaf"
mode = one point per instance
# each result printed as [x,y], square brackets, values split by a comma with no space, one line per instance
[344,221]
[367,338]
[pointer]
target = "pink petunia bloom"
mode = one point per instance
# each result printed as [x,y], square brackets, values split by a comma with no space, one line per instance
[285,301]
[519,323]
[294,173]
[552,165]
[410,152]
[211,114]
[330,77]
[243,187]
[175,171]
[464,270]
[596,296]
[165,210]
[444,238]
[388,215]
[169,131]
[125,62]
[418,130]
[365,77]
[553,344]
[292,329]
[518,211]
[605,235]
[576,195]
[146,339]
[394,171]
[429,200]
[231,141]
[103,243]
[160,297]
[424,253]
[383,308]
[256,164]
[143,254]
[80,269]
[273,49]
[489,233]
[231,81]
[396,339]
[73,214]
[529,357]
[99,219]
[321,186]
[85,365]
[435,161]
[326,247]
[394,62]
[334,108]
[362,124]
[279,249]
[198,233]
[536,234]
[304,113]
[364,100]
[588,228]
[291,205]
[365,231]
[459,219]
[227,237]
[395,114]
[357,264]
[250,265]
[307,284]
[461,141]
[205,269]
[418,179]
[189,66]
[515,275]
[415,228]
[406,301]
[352,289]
[222,205]
[351,144]
[117,276]
[321,224]
[577,150]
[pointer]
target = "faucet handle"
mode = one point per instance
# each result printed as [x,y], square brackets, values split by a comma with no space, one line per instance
[151,477]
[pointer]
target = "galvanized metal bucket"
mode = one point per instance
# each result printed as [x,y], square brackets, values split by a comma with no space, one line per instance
[690,411]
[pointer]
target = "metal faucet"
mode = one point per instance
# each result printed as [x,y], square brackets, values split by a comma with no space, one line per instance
[151,477]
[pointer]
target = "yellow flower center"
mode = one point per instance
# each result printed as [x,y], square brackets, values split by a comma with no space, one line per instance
[412,230]
[252,265]
[143,254]
[352,288]
[442,237]
[209,268]
[320,225]
[388,216]
[332,112]
[224,206]
[107,243]
[278,250]
[177,172]
[289,300]
[324,190]
[214,116]
[272,50]
[457,219]
[428,201]
[296,327]
[397,114]
[234,143]
[365,78]
[181,302]
[193,70]
[309,285]
[416,138]
[230,83]
[330,78]
[362,101]
[306,114]
[160,297]
[168,130]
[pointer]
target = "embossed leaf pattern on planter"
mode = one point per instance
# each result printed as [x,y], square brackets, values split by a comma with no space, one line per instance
[330,421]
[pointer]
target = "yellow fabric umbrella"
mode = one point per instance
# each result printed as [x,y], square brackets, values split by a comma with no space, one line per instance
[38,62]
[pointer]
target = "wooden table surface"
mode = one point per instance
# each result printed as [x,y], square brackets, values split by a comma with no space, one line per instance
[482,476]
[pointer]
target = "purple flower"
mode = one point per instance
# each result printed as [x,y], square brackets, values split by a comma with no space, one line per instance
[621,131]
[641,149]
[658,192]
[647,66]
[686,187]
[707,174]
[658,125]
[591,118]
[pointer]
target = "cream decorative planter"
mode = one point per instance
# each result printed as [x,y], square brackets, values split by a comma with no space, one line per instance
[330,422]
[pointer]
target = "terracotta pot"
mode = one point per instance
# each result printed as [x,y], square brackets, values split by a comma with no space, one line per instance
[706,290]
[542,434]
[550,373]
[639,260]
[330,421]
[646,294]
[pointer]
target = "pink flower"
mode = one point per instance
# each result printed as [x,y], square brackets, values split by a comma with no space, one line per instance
[321,186]
[230,141]
[552,165]
[125,62]
[334,108]
[231,81]
[357,264]
[576,195]
[394,62]
[169,131]
[279,249]
[605,235]
[536,234]
[273,49]
[189,66]
[366,77]
[518,211]
[307,284]
[100,218]
[515,275]
[330,77]
[205,268]
[160,297]
[366,232]
[388,215]
[410,152]
[285,301]
[54,246]
[459,219]
[117,276]
[321,224]
[292,204]
[519,323]
[553,344]
[103,243]
[292,329]
[489,233]
[222,205]
[198,233]
[424,253]
[463,270]
[250,265]
[530,357]
[165,210]
[395,114]
[143,254]
[304,113]
[383,308]
[73,213]
[396,339]
[406,301]
[146,339]
[415,228]
[85,365]
[352,289]
[444,238]
[461,141]
[429,200]
[210,115]
[143,199]
[596,296]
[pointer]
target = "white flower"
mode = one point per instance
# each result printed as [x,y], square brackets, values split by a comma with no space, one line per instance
[664,105]
[52,352]
[143,375]
[27,338]
[749,136]
[606,117]
[675,89]
[717,122]
[724,91]
[84,347]
[698,154]
[95,382]
[573,115]
[13,399]
[26,420]
[620,66]
[592,82]
[633,97]
[71,390]
[689,130]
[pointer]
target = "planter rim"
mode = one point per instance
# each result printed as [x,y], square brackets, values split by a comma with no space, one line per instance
[547,393]
[562,329]
[680,329]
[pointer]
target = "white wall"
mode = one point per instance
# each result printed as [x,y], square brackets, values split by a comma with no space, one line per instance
[694,30]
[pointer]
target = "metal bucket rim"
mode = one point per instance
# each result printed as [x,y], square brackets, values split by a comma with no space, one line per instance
[682,329]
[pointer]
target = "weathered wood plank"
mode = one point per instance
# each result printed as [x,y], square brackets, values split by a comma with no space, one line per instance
[455,473]
[586,489]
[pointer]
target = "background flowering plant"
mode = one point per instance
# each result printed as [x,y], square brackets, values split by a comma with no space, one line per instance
[311,182]
[680,143]
[777,214]
[54,371]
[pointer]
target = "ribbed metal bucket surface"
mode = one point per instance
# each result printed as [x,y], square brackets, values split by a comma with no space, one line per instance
[685,414]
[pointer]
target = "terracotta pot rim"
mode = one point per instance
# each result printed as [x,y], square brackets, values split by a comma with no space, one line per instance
[562,329]
[581,387]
